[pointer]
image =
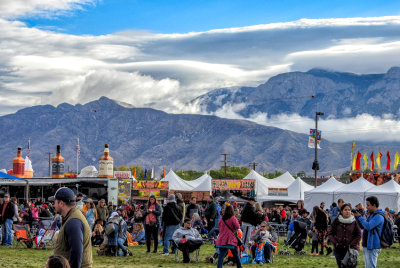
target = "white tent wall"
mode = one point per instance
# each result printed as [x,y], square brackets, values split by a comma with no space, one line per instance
[295,192]
[202,184]
[323,193]
[388,195]
[354,192]
[262,185]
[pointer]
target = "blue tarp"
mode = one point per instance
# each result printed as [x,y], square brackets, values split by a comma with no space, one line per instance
[10,177]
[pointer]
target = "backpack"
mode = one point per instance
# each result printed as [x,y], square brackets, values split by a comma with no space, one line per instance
[387,235]
[350,260]
[109,229]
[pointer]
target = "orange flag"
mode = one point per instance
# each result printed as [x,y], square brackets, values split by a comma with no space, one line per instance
[163,171]
[134,174]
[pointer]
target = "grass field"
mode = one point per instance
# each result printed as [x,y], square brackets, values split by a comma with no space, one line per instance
[10,257]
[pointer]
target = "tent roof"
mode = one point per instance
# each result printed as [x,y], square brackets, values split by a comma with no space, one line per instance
[328,187]
[388,187]
[295,192]
[201,184]
[253,175]
[176,183]
[286,179]
[358,186]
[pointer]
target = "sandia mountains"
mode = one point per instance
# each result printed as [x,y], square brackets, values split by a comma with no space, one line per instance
[152,138]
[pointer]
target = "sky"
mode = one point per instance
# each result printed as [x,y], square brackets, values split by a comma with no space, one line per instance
[163,54]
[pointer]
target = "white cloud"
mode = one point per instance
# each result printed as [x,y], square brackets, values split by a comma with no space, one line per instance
[16,8]
[166,71]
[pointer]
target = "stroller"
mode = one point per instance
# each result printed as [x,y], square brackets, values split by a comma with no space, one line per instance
[45,234]
[297,241]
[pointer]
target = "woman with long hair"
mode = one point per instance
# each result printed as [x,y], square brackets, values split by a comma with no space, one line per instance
[228,225]
[344,233]
[91,214]
[320,222]
[300,206]
[259,212]
[151,216]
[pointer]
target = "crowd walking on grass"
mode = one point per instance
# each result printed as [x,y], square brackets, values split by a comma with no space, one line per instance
[240,233]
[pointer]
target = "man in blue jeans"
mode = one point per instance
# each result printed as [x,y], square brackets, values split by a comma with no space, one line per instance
[372,228]
[171,218]
[7,213]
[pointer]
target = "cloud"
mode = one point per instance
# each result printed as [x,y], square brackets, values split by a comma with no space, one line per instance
[48,8]
[167,71]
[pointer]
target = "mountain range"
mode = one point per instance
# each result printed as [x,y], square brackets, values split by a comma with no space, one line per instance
[337,94]
[152,138]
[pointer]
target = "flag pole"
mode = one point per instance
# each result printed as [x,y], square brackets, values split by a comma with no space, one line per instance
[77,156]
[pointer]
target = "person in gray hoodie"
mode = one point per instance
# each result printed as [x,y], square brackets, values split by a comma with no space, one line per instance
[188,239]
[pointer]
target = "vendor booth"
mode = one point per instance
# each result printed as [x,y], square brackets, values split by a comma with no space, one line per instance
[354,192]
[388,195]
[323,193]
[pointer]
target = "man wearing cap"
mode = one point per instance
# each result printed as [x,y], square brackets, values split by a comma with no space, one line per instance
[102,212]
[73,241]
[7,214]
[171,217]
[188,239]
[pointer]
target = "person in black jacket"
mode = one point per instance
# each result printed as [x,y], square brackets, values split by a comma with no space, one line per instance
[151,214]
[249,220]
[7,213]
[171,218]
[192,208]
[210,213]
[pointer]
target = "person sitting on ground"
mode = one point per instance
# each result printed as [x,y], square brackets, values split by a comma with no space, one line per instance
[197,223]
[97,234]
[262,241]
[57,261]
[188,239]
[138,234]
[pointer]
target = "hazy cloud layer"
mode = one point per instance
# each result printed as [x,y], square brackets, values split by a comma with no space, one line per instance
[165,71]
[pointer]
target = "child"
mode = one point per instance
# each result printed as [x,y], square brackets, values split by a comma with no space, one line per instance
[314,244]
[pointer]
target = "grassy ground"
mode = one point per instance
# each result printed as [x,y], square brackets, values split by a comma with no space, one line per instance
[11,257]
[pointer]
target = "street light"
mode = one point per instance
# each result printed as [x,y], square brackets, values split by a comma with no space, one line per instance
[315,165]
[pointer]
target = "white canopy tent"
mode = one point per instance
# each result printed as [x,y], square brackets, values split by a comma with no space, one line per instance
[88,172]
[201,184]
[295,192]
[388,194]
[323,193]
[176,183]
[285,179]
[262,184]
[354,192]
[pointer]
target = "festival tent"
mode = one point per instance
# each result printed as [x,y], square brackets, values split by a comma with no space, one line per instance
[201,184]
[262,184]
[323,193]
[88,172]
[295,192]
[285,179]
[354,192]
[176,183]
[388,195]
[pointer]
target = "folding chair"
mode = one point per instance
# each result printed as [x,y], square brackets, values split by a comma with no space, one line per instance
[175,248]
[49,228]
[23,235]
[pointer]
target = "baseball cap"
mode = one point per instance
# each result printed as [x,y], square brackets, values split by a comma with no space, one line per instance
[64,194]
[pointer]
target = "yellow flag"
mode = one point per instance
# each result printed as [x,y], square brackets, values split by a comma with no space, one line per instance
[353,164]
[365,161]
[396,160]
[378,160]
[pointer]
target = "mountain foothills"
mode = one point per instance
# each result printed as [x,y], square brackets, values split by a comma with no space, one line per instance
[336,94]
[151,138]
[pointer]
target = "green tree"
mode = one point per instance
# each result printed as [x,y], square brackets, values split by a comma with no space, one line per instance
[232,172]
[189,174]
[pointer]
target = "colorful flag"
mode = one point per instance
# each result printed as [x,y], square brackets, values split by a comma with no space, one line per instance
[29,148]
[388,161]
[396,161]
[145,172]
[378,160]
[365,161]
[372,161]
[134,174]
[353,163]
[163,171]
[358,162]
[311,139]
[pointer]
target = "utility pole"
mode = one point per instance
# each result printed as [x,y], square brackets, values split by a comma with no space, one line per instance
[315,165]
[253,164]
[225,163]
[49,153]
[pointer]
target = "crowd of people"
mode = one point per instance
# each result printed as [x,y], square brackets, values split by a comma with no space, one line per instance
[234,229]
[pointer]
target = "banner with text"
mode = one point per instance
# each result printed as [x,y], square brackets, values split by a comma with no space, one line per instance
[143,189]
[311,139]
[233,185]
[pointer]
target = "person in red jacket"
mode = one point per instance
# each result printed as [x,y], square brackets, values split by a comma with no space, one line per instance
[228,226]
